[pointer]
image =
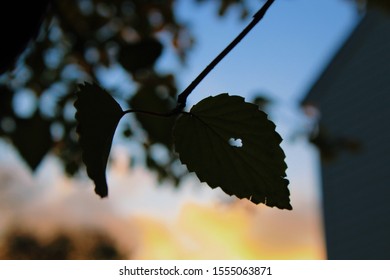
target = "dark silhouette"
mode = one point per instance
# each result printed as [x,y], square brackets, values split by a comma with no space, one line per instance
[76,39]
[98,116]
[19,25]
[84,244]
[254,170]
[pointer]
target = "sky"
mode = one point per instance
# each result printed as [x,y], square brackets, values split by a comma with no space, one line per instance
[280,58]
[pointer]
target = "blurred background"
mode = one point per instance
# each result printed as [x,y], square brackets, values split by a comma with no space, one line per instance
[145,53]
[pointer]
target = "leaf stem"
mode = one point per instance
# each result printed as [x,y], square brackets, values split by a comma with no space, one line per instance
[182,98]
[157,114]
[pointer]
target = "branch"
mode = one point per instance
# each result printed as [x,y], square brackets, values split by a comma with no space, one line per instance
[182,98]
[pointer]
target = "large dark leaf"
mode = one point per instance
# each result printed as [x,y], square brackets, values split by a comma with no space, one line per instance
[98,115]
[231,144]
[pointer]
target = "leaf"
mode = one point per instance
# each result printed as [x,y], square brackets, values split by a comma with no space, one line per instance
[98,115]
[231,144]
[140,55]
[32,138]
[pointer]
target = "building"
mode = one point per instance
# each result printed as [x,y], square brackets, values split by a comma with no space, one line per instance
[352,96]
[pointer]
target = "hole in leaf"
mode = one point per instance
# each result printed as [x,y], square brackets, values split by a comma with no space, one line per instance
[235,142]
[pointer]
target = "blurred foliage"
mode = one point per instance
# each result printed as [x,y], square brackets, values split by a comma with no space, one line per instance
[331,146]
[225,5]
[382,4]
[66,245]
[12,13]
[77,40]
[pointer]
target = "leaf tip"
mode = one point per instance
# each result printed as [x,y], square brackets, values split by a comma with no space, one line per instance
[101,191]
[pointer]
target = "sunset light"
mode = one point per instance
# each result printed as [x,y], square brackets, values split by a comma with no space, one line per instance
[197,223]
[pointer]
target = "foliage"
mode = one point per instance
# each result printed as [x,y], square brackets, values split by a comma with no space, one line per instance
[83,244]
[382,4]
[78,40]
[204,138]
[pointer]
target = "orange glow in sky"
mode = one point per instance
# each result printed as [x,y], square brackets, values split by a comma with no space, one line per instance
[150,222]
[220,232]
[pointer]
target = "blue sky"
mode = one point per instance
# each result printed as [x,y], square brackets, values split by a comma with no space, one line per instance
[281,56]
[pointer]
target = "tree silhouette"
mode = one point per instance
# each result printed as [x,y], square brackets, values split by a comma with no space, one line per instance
[79,38]
[81,244]
[202,137]
[71,41]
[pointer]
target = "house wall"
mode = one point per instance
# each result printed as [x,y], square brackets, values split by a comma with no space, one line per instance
[353,97]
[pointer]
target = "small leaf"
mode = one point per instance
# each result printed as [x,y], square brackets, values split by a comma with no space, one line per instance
[98,115]
[140,55]
[231,144]
[32,139]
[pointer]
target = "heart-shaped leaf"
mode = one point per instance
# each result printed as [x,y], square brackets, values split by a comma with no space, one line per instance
[32,139]
[231,144]
[98,115]
[140,55]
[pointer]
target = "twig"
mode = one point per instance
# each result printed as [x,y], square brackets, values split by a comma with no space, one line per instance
[182,98]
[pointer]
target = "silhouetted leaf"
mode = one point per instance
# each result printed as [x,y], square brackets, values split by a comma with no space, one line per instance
[140,55]
[32,139]
[231,144]
[98,115]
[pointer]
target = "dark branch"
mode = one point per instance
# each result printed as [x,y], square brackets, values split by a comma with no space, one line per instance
[182,98]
